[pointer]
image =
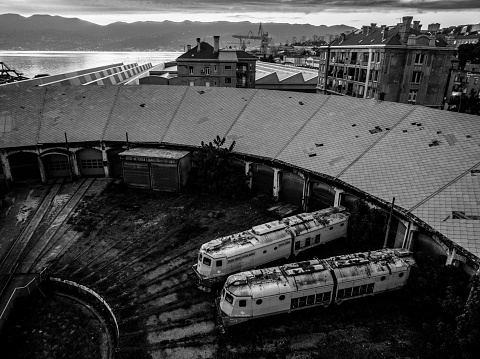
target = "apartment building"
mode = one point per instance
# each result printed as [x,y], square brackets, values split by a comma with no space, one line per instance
[207,65]
[390,63]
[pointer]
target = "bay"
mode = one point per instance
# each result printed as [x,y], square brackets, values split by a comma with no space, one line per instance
[31,63]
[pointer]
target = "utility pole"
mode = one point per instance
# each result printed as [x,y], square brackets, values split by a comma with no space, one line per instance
[388,224]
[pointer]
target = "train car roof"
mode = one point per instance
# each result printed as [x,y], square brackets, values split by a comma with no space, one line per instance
[239,243]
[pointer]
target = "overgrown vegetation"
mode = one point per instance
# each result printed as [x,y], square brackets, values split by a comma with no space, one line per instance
[212,173]
[366,227]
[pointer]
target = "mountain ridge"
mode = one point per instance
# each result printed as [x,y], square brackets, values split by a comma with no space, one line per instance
[56,33]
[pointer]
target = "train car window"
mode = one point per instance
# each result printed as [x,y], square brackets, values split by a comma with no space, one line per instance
[326,296]
[297,245]
[207,261]
[265,251]
[330,228]
[319,298]
[400,274]
[348,292]
[282,297]
[200,257]
[303,301]
[307,242]
[383,278]
[275,248]
[218,263]
[242,303]
[223,292]
[229,298]
[259,301]
[294,303]
[317,238]
[341,225]
[311,299]
[356,291]
[340,293]
[370,288]
[363,289]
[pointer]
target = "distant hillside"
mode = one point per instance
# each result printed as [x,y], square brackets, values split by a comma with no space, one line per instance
[56,33]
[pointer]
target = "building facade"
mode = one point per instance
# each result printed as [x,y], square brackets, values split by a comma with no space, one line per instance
[398,64]
[206,65]
[461,83]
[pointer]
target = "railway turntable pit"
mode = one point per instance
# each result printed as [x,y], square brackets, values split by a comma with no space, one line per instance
[134,248]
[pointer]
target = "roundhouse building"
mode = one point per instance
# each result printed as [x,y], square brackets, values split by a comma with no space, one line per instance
[312,150]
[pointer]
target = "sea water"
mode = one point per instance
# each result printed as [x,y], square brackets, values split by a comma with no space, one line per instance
[32,63]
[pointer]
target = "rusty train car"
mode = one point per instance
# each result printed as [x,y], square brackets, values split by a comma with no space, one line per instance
[265,243]
[319,282]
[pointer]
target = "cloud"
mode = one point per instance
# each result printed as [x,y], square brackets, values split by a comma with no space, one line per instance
[231,6]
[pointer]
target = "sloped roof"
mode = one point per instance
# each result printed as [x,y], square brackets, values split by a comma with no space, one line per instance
[374,37]
[207,53]
[428,159]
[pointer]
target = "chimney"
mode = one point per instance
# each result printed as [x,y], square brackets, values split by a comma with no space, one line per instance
[189,47]
[384,32]
[432,41]
[416,25]
[198,44]
[404,28]
[364,29]
[216,43]
[373,25]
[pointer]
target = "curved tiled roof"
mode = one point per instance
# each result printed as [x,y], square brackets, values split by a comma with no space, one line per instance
[428,159]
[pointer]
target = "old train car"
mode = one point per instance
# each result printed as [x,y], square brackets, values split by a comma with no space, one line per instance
[319,282]
[262,244]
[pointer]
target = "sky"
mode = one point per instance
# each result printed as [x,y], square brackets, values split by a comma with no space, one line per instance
[316,12]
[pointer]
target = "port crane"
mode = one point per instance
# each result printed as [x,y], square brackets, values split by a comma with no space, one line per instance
[262,36]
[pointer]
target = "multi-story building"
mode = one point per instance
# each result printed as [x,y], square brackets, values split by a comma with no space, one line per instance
[398,63]
[207,65]
[462,82]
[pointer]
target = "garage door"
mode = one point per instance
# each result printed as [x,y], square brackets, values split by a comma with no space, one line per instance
[322,196]
[136,174]
[291,189]
[262,178]
[90,162]
[24,166]
[164,176]
[56,165]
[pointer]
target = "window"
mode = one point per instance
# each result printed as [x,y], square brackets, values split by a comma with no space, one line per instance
[382,278]
[326,296]
[229,298]
[348,292]
[207,261]
[214,83]
[259,301]
[353,56]
[91,163]
[342,224]
[340,293]
[242,303]
[214,68]
[303,302]
[370,288]
[228,67]
[250,66]
[190,70]
[412,97]
[365,57]
[218,263]
[311,299]
[297,245]
[207,70]
[294,303]
[419,59]
[200,257]
[416,77]
[228,80]
[265,251]
[307,242]
[317,238]
[400,274]
[282,297]
[356,291]
[330,228]
[475,81]
[363,289]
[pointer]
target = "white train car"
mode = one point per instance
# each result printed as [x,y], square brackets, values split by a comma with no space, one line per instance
[319,282]
[262,244]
